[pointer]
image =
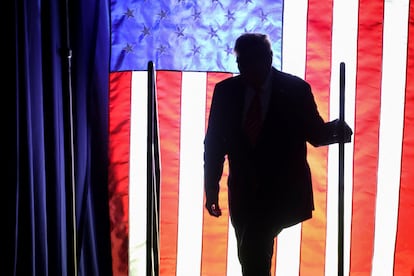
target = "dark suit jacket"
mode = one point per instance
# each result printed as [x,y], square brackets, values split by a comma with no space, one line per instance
[271,180]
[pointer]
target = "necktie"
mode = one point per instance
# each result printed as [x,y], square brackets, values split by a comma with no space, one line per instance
[253,122]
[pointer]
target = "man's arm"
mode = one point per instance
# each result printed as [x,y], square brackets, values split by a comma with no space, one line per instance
[319,133]
[336,131]
[214,152]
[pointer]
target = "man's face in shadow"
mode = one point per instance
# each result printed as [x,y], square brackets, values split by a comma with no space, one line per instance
[254,67]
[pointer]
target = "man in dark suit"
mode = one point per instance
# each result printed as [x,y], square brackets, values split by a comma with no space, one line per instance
[262,120]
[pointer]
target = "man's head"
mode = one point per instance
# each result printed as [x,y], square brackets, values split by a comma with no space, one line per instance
[254,57]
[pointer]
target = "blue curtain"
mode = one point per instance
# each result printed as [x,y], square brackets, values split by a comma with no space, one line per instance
[55,143]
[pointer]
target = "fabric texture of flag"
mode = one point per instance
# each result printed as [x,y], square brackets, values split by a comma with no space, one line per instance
[191,44]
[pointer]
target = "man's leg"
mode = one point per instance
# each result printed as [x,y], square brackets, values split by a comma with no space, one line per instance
[255,242]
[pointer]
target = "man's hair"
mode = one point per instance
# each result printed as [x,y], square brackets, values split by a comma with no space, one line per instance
[253,42]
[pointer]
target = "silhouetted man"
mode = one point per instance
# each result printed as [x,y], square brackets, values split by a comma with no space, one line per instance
[261,120]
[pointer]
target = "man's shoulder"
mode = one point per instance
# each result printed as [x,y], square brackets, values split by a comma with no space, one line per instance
[229,82]
[227,90]
[288,78]
[290,81]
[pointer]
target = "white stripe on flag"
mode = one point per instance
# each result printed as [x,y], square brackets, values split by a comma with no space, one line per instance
[293,61]
[390,143]
[138,175]
[233,264]
[294,37]
[190,218]
[344,49]
[288,251]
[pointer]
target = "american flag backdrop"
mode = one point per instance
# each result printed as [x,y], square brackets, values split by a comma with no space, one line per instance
[190,43]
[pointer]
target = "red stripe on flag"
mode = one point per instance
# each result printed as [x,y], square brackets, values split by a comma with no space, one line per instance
[118,183]
[215,230]
[318,69]
[169,115]
[366,135]
[273,267]
[404,248]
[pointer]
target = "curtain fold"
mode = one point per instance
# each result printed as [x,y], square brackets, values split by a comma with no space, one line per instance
[56,123]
